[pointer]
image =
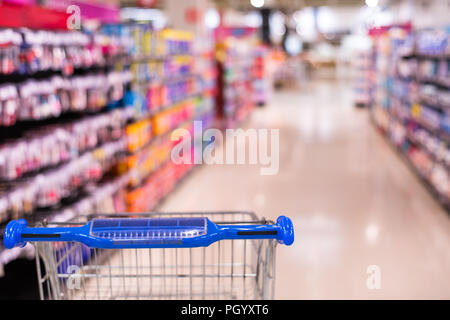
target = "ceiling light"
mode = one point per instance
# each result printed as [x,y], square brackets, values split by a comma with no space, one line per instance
[212,18]
[257,3]
[372,3]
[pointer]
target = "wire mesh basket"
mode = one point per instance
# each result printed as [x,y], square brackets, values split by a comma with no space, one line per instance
[230,269]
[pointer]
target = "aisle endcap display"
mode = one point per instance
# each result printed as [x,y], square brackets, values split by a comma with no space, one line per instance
[363,75]
[239,70]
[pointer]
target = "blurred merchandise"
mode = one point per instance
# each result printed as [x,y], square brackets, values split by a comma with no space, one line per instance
[27,52]
[336,113]
[236,50]
[261,83]
[90,118]
[49,98]
[412,105]
[362,63]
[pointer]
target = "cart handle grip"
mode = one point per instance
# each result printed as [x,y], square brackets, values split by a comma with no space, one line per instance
[148,233]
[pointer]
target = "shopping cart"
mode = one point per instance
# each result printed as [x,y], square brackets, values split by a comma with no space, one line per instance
[156,255]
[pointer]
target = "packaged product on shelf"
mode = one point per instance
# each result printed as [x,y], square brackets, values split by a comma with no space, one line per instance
[36,52]
[89,92]
[4,208]
[39,100]
[433,42]
[147,160]
[407,68]
[43,99]
[49,188]
[445,123]
[61,85]
[134,101]
[441,180]
[116,40]
[52,145]
[155,96]
[236,95]
[260,82]
[9,105]
[430,117]
[169,119]
[138,134]
[116,83]
[59,51]
[176,42]
[157,186]
[96,91]
[10,42]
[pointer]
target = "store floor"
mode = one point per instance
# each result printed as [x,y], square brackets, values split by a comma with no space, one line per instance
[353,201]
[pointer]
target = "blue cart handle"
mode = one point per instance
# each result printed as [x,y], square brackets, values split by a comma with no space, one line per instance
[126,233]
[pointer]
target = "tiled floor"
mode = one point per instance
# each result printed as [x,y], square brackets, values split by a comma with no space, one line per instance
[354,203]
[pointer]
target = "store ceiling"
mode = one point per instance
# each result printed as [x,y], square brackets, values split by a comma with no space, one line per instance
[288,4]
[293,5]
[285,5]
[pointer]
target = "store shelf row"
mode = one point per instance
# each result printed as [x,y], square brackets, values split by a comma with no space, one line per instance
[411,103]
[52,186]
[105,201]
[436,81]
[46,148]
[141,133]
[36,100]
[101,178]
[114,190]
[159,58]
[436,131]
[424,177]
[435,158]
[27,52]
[421,135]
[139,116]
[167,80]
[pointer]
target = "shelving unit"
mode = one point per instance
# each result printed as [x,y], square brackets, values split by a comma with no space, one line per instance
[261,84]
[412,106]
[236,76]
[362,67]
[61,127]
[115,156]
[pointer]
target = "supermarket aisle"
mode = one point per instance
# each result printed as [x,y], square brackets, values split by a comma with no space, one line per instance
[354,203]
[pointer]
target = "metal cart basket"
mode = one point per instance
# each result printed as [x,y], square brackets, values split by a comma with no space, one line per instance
[231,269]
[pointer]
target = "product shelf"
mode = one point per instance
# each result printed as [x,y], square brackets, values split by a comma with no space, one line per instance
[413,97]
[441,198]
[109,189]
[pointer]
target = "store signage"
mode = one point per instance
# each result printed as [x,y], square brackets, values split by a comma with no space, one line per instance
[238,32]
[147,3]
[192,15]
[31,16]
[103,12]
[22,2]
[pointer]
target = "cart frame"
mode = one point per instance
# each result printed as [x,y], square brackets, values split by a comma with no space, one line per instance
[230,269]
